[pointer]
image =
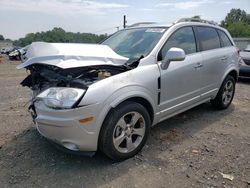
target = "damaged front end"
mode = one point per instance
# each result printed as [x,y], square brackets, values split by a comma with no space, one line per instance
[61,81]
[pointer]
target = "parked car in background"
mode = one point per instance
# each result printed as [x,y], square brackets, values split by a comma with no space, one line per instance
[8,50]
[5,50]
[88,96]
[15,54]
[2,51]
[245,62]
[23,52]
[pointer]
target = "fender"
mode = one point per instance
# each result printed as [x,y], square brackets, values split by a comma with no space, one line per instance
[129,92]
[120,96]
[125,93]
[231,67]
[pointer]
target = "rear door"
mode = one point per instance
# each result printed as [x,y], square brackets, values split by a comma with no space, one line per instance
[214,59]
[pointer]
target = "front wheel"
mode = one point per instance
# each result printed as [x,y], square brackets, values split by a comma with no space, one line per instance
[226,94]
[125,131]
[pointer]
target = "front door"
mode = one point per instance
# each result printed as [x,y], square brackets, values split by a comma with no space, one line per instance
[181,81]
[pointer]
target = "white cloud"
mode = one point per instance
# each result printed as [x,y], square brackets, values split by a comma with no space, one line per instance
[185,5]
[61,7]
[227,2]
[145,9]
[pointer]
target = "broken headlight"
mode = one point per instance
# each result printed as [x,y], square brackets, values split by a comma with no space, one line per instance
[61,97]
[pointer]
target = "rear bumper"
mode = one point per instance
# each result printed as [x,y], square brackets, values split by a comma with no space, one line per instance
[244,71]
[63,127]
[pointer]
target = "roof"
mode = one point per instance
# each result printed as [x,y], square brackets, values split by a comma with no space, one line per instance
[149,24]
[182,20]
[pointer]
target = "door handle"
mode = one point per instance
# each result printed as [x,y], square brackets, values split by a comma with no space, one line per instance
[198,65]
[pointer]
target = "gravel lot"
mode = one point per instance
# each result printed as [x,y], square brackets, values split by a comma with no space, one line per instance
[189,150]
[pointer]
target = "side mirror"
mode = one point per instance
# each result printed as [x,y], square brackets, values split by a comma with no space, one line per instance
[173,54]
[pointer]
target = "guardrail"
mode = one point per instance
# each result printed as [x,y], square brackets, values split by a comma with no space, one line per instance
[241,43]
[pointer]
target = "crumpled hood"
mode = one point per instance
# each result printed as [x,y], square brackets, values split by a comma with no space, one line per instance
[69,55]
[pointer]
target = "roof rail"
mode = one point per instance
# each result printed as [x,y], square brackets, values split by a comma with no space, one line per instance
[196,20]
[140,24]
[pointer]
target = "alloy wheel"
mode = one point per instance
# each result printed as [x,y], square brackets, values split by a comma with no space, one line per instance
[228,92]
[129,132]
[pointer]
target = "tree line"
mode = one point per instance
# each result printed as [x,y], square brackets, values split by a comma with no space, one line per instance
[237,22]
[59,35]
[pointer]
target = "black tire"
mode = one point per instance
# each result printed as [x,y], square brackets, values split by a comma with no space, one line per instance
[218,102]
[106,144]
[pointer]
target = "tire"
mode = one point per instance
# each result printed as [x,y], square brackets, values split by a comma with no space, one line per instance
[124,131]
[225,94]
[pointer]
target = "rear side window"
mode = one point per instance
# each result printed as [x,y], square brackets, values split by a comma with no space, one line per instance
[224,39]
[208,38]
[182,38]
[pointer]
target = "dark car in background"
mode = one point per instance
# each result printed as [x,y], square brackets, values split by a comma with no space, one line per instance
[245,62]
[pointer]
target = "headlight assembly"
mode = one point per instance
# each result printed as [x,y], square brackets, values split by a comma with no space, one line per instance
[61,97]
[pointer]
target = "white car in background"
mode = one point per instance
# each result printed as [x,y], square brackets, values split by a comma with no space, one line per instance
[245,62]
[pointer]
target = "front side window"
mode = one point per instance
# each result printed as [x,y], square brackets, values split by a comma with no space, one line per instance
[182,38]
[208,38]
[224,39]
[134,43]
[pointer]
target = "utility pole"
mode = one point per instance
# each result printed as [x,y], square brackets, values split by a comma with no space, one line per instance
[124,21]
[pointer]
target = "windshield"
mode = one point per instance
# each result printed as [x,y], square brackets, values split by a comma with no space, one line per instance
[134,43]
[247,48]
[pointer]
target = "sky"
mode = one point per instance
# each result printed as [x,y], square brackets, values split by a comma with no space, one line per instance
[19,17]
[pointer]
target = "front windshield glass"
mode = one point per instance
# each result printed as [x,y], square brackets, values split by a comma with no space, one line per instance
[134,43]
[247,48]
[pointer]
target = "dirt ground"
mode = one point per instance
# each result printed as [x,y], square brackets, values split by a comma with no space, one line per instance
[192,149]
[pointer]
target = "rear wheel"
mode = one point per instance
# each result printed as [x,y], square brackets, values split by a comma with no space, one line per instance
[226,94]
[125,131]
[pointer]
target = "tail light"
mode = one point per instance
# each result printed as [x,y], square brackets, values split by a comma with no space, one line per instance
[238,51]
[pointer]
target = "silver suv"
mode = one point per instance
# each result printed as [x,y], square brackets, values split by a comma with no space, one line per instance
[88,96]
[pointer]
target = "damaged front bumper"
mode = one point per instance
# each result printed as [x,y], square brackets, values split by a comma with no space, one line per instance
[60,74]
[65,128]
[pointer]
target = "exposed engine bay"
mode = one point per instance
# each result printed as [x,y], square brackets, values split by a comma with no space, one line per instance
[61,73]
[42,76]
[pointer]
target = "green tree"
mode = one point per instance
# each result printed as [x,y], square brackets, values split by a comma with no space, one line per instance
[237,22]
[236,15]
[196,17]
[59,35]
[239,29]
[1,37]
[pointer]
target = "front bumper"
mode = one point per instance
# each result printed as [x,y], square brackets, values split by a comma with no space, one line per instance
[63,126]
[244,71]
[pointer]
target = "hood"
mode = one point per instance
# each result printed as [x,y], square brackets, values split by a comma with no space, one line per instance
[68,55]
[245,55]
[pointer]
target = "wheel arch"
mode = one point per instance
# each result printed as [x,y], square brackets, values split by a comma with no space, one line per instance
[142,101]
[232,72]
[138,99]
